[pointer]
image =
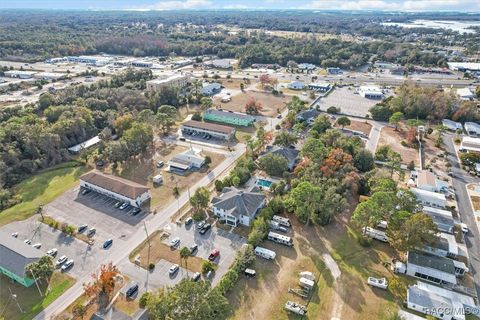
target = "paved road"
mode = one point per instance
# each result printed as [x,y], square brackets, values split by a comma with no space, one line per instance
[464,208]
[120,253]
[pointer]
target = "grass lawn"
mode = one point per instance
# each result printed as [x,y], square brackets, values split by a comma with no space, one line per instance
[42,188]
[29,298]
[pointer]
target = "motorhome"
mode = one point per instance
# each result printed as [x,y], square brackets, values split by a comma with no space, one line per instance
[281,220]
[265,253]
[280,238]
[375,234]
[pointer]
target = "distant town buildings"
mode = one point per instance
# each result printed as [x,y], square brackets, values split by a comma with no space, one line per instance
[464,66]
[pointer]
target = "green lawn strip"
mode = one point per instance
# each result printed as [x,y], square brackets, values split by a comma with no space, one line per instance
[42,188]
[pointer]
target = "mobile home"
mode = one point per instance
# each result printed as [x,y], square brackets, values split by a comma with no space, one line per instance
[280,238]
[282,221]
[265,253]
[375,234]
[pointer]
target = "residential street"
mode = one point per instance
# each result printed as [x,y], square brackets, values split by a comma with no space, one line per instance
[119,253]
[459,181]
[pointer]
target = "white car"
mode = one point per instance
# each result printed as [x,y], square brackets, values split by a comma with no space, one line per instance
[61,261]
[464,228]
[37,245]
[173,269]
[52,252]
[67,265]
[15,234]
[28,241]
[174,242]
[123,206]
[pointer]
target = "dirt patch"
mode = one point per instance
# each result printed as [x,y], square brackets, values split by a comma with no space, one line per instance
[475,202]
[393,139]
[360,126]
[160,250]
[271,104]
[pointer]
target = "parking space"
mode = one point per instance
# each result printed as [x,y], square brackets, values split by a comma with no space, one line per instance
[95,210]
[202,136]
[85,257]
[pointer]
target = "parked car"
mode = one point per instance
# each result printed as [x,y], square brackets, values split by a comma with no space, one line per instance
[188,221]
[196,276]
[250,273]
[200,224]
[174,242]
[193,248]
[27,241]
[15,234]
[86,191]
[60,261]
[67,265]
[107,243]
[82,228]
[132,290]
[160,164]
[136,211]
[117,204]
[464,228]
[123,206]
[91,232]
[173,269]
[214,254]
[37,245]
[205,228]
[52,252]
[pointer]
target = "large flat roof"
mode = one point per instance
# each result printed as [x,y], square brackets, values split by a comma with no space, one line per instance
[114,184]
[15,254]
[237,115]
[209,126]
[425,193]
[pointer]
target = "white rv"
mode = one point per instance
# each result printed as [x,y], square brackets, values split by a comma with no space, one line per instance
[280,238]
[265,253]
[375,234]
[281,220]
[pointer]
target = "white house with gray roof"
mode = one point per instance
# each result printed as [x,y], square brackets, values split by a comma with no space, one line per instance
[433,304]
[15,255]
[431,268]
[237,206]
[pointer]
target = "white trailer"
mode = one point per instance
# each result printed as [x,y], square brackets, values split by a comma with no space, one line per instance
[282,220]
[280,238]
[375,234]
[295,308]
[265,253]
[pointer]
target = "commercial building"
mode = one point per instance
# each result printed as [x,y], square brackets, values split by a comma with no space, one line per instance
[428,198]
[291,155]
[452,125]
[320,86]
[472,128]
[182,63]
[470,144]
[213,129]
[219,64]
[237,206]
[370,92]
[228,117]
[431,268]
[91,60]
[442,218]
[432,304]
[15,255]
[20,74]
[296,85]
[56,60]
[168,80]
[48,75]
[115,187]
[464,66]
[211,89]
[465,94]
[84,145]
[142,64]
[190,159]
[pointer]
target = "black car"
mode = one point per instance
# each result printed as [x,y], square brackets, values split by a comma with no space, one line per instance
[107,243]
[205,228]
[188,221]
[82,228]
[132,290]
[136,211]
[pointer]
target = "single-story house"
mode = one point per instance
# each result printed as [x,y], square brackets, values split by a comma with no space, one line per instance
[308,115]
[187,160]
[427,181]
[220,64]
[470,144]
[291,155]
[213,129]
[306,67]
[430,303]
[466,301]
[228,117]
[296,85]
[452,125]
[431,268]
[115,187]
[15,255]
[319,86]
[429,198]
[211,89]
[238,206]
[442,218]
[446,246]
[472,128]
[465,94]
[19,74]
[334,70]
[84,145]
[371,92]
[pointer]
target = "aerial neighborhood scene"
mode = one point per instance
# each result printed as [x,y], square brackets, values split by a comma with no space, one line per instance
[239,160]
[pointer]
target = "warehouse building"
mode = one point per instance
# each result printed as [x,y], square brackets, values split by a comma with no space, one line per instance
[452,125]
[371,92]
[213,129]
[319,86]
[168,80]
[20,74]
[115,187]
[15,255]
[229,117]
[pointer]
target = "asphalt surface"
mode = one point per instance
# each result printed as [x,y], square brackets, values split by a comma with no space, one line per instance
[118,254]
[459,181]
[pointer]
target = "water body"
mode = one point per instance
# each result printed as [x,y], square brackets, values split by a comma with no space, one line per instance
[459,26]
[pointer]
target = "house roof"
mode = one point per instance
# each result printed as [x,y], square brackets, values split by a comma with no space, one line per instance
[426,178]
[212,86]
[209,126]
[114,184]
[454,296]
[465,93]
[451,124]
[84,145]
[431,261]
[238,202]
[472,126]
[307,114]
[427,299]
[424,193]
[471,143]
[289,154]
[15,254]
[296,84]
[236,115]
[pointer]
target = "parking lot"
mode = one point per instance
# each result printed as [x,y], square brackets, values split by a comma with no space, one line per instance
[85,257]
[226,242]
[95,210]
[201,136]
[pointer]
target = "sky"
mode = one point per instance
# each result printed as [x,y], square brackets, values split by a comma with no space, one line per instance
[390,5]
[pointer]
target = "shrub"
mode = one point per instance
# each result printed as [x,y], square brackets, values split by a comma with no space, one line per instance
[197,116]
[364,242]
[333,110]
[208,266]
[218,185]
[197,216]
[151,266]
[228,281]
[142,302]
[457,140]
[403,143]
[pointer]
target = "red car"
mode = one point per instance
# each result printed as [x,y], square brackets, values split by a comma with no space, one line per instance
[214,254]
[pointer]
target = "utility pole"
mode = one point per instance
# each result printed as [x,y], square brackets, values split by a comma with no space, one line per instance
[36,282]
[148,254]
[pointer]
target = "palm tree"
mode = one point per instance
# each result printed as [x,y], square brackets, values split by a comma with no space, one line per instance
[184,255]
[196,85]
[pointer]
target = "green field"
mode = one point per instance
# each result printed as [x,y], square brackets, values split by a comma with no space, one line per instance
[29,299]
[42,188]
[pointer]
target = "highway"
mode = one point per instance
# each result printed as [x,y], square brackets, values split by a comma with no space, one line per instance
[154,222]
